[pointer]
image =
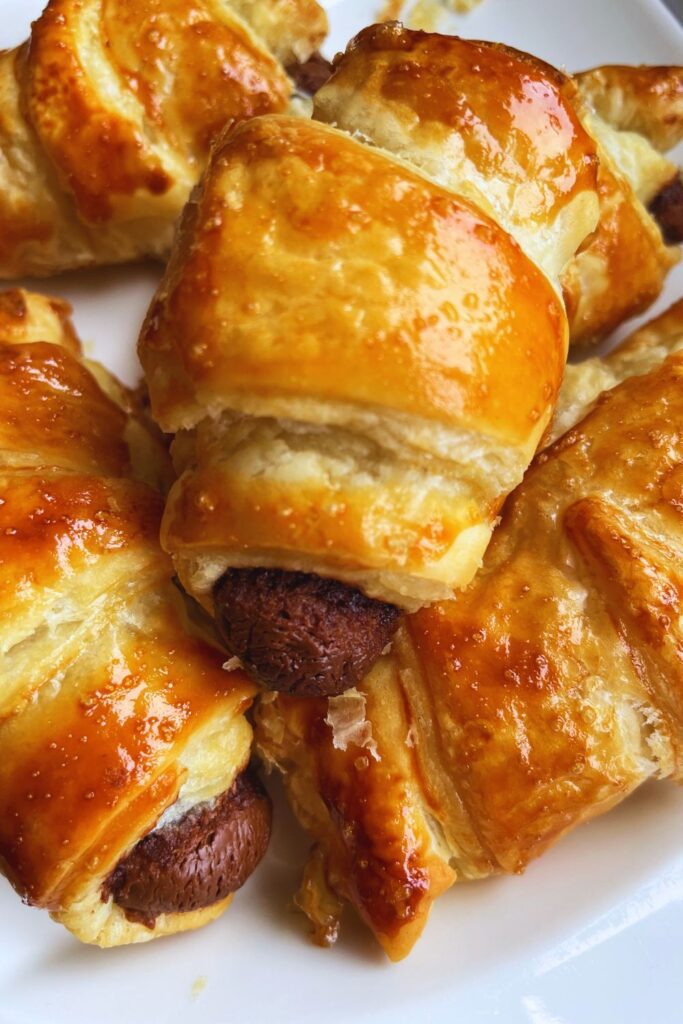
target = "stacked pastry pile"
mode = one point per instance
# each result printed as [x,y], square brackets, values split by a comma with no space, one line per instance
[359,343]
[476,741]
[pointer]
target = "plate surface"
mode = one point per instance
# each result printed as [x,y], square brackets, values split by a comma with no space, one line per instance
[591,934]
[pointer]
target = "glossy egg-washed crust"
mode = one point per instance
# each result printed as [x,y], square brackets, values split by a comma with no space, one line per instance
[490,122]
[109,110]
[291,276]
[412,92]
[360,352]
[102,692]
[636,113]
[541,697]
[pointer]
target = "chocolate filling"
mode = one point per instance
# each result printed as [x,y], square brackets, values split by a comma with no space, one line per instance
[311,75]
[196,861]
[299,633]
[667,210]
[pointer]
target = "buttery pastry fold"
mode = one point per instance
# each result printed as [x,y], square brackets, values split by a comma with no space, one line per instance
[107,115]
[111,714]
[636,114]
[545,694]
[359,349]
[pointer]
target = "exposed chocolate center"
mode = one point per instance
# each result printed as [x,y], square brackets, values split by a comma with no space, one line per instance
[667,209]
[300,634]
[311,75]
[196,861]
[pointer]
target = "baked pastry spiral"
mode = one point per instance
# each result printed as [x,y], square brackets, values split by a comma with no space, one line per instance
[107,115]
[636,114]
[126,807]
[543,696]
[360,349]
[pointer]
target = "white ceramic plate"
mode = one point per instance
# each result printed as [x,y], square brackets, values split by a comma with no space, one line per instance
[592,934]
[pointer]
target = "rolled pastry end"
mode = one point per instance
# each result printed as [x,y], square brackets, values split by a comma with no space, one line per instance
[203,837]
[300,634]
[197,861]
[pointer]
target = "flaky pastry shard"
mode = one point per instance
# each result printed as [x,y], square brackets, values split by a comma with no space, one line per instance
[544,695]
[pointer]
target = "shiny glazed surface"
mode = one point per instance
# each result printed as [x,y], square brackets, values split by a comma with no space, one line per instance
[160,61]
[69,803]
[590,933]
[513,112]
[433,300]
[108,111]
[101,687]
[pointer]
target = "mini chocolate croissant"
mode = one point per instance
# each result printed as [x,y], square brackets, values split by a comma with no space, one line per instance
[543,696]
[108,113]
[401,87]
[360,351]
[127,807]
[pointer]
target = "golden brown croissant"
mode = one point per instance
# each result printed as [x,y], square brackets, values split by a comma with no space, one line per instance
[385,85]
[546,693]
[125,805]
[362,349]
[636,113]
[108,113]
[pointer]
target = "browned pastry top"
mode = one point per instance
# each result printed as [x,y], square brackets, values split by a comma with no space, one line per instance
[360,333]
[62,792]
[512,112]
[122,100]
[243,312]
[102,686]
[549,690]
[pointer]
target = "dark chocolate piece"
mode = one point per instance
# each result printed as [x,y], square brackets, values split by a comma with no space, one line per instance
[667,210]
[299,633]
[195,861]
[311,75]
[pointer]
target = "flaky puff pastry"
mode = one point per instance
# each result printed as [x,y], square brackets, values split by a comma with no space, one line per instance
[486,121]
[543,696]
[636,114]
[457,109]
[107,115]
[110,712]
[359,355]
